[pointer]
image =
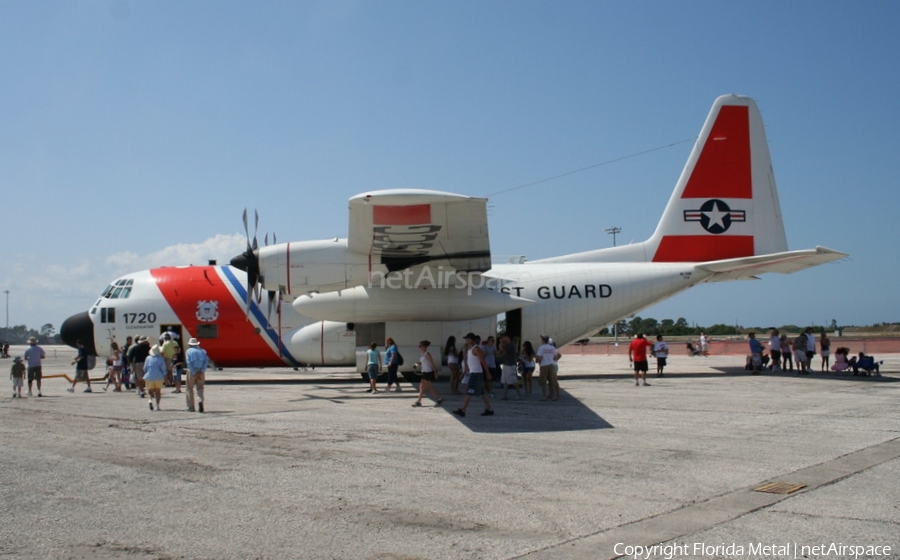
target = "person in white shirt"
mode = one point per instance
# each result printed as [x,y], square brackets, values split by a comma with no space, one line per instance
[661,351]
[547,380]
[429,375]
[775,350]
[810,347]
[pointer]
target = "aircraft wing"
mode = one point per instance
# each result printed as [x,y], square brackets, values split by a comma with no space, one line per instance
[402,228]
[786,263]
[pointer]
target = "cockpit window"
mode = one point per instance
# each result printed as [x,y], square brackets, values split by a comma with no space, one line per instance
[120,289]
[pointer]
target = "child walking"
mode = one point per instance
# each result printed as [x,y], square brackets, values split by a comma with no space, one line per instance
[17,374]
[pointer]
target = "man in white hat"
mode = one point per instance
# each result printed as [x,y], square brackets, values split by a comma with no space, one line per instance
[197,362]
[33,355]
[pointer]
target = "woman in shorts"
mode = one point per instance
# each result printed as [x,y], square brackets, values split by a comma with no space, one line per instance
[154,375]
[825,345]
[114,376]
[452,355]
[429,375]
[527,359]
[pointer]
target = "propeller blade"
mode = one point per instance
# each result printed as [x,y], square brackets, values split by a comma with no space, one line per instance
[255,228]
[270,296]
[266,242]
[246,229]
[248,261]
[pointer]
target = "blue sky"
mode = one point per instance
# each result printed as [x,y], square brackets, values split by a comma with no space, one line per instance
[133,134]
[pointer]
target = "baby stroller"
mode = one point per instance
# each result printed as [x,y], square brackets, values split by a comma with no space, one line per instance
[692,350]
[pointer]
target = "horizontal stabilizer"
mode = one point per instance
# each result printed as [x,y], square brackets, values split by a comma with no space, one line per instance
[786,262]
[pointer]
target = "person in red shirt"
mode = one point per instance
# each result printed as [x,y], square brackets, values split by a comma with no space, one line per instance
[637,353]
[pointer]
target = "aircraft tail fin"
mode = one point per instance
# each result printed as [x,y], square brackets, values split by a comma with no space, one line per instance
[725,204]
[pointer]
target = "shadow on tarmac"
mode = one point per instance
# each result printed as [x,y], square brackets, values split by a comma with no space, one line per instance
[527,415]
[739,372]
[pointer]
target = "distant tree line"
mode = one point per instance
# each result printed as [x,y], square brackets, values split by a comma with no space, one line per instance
[680,327]
[20,334]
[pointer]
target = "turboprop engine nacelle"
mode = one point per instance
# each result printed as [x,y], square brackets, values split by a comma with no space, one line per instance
[369,304]
[312,266]
[324,343]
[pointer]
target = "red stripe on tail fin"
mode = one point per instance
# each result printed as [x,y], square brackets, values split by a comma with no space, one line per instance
[412,215]
[703,248]
[723,168]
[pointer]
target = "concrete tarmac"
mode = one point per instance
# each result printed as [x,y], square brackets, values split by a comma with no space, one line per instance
[292,464]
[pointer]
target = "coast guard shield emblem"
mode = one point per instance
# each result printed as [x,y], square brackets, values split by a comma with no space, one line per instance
[207,311]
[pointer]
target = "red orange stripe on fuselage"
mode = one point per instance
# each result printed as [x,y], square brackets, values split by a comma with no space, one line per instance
[237,342]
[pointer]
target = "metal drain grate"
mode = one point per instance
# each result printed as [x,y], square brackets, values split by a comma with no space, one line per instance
[779,488]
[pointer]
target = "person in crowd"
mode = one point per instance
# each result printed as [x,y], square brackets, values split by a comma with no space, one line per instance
[799,346]
[756,351]
[154,376]
[661,351]
[392,363]
[81,368]
[825,350]
[197,362]
[509,358]
[477,370]
[429,372]
[547,380]
[114,375]
[126,367]
[34,354]
[373,367]
[528,359]
[841,361]
[177,369]
[168,349]
[451,355]
[866,363]
[775,350]
[17,375]
[489,347]
[637,354]
[787,353]
[137,355]
[810,348]
[556,357]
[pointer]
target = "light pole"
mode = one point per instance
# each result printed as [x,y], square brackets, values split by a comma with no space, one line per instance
[7,311]
[613,231]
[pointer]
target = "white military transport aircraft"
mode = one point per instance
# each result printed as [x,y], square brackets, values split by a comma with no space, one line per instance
[416,264]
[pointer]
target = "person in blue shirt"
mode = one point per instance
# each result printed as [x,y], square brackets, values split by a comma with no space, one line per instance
[373,367]
[392,363]
[197,362]
[755,353]
[154,375]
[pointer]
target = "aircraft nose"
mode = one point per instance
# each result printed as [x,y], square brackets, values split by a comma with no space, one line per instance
[79,327]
